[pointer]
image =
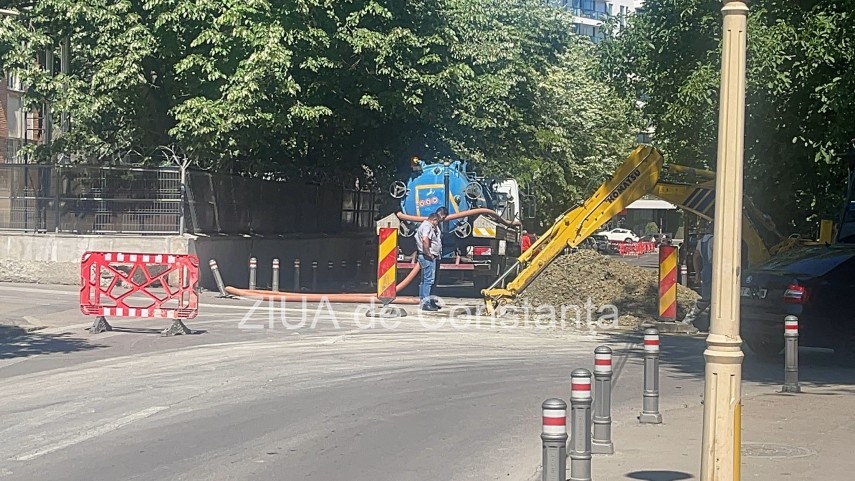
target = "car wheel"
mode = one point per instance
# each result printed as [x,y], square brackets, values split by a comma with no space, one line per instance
[628,239]
[768,349]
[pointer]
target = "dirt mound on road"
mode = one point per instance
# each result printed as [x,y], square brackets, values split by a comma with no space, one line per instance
[574,278]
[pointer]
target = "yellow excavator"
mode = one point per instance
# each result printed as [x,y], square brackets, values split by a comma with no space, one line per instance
[638,176]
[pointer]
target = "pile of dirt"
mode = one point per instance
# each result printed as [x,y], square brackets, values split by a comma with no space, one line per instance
[576,278]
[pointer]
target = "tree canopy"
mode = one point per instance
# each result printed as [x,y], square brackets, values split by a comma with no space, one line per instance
[800,94]
[331,90]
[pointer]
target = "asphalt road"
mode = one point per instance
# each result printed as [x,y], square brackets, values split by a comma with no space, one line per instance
[417,401]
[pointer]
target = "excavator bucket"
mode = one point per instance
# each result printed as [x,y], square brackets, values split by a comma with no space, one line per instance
[632,180]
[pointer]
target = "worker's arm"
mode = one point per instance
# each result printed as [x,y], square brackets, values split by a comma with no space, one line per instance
[426,244]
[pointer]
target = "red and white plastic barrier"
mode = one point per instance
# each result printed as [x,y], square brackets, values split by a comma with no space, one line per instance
[119,284]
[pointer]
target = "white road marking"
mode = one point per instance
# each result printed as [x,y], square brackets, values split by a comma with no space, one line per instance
[92,433]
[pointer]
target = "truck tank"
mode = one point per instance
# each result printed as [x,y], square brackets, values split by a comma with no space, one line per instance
[449,185]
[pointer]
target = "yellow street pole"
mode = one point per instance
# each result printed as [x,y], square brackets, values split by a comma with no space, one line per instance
[720,459]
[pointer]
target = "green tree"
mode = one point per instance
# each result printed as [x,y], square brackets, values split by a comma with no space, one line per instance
[800,94]
[328,90]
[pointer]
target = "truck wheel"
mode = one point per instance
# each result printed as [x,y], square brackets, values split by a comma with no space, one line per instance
[767,349]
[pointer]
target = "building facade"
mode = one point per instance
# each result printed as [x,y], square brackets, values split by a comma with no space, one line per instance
[589,15]
[18,125]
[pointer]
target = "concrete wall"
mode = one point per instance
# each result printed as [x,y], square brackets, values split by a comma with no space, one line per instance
[232,255]
[55,258]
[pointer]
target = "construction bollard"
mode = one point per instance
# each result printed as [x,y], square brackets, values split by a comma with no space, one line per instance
[554,438]
[252,272]
[580,425]
[314,276]
[684,275]
[601,440]
[274,285]
[218,277]
[296,275]
[650,409]
[791,355]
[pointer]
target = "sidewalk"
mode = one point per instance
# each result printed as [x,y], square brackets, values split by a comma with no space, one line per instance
[799,437]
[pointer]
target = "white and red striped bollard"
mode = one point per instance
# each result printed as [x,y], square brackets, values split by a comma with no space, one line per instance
[253,266]
[601,439]
[554,437]
[274,285]
[791,355]
[215,269]
[650,408]
[580,439]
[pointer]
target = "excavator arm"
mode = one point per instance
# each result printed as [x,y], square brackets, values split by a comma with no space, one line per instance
[633,179]
[638,176]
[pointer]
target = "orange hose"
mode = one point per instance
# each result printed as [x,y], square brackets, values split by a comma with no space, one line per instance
[337,297]
[461,214]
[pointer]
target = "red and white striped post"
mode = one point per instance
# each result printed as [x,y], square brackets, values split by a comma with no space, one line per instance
[580,439]
[253,265]
[601,439]
[650,409]
[274,285]
[215,269]
[791,355]
[554,437]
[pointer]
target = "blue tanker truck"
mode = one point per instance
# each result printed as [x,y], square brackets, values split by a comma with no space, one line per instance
[482,236]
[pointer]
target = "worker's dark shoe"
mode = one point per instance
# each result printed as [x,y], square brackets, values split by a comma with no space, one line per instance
[429,308]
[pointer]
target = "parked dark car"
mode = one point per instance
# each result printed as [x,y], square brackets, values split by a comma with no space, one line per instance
[817,285]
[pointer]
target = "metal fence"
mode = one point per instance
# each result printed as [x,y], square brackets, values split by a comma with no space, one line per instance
[89,200]
[102,200]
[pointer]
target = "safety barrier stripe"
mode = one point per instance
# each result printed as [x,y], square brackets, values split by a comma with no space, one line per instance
[484,232]
[668,283]
[387,257]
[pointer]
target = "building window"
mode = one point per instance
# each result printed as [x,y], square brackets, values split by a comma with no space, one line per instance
[13,82]
[12,148]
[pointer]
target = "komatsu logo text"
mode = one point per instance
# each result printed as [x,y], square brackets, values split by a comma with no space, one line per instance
[624,185]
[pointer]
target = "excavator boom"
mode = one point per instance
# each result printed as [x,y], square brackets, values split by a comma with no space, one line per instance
[633,179]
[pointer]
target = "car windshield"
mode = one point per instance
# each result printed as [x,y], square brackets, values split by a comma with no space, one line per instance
[813,261]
